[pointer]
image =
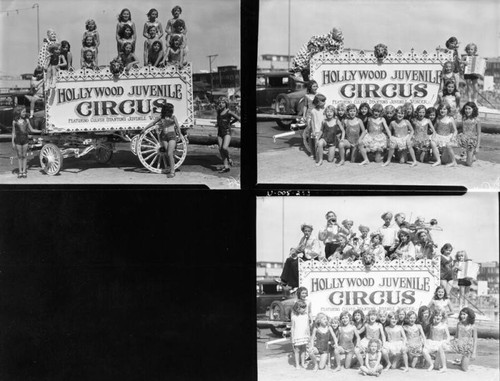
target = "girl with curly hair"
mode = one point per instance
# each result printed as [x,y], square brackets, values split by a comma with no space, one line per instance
[375,140]
[21,126]
[465,341]
[440,301]
[439,337]
[152,22]
[470,138]
[91,30]
[169,28]
[88,43]
[225,118]
[372,365]
[450,96]
[416,341]
[300,333]
[347,334]
[322,335]
[401,139]
[445,136]
[331,133]
[125,19]
[364,112]
[354,135]
[396,342]
[374,331]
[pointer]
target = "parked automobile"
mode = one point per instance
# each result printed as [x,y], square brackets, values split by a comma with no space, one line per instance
[278,92]
[9,100]
[274,305]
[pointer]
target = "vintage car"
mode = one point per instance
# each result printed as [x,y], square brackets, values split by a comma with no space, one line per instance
[9,100]
[274,306]
[278,92]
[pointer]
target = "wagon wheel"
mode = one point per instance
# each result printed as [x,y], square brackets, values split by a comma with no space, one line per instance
[103,152]
[51,159]
[133,144]
[153,155]
[305,139]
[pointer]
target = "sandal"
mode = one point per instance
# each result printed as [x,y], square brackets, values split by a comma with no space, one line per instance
[19,175]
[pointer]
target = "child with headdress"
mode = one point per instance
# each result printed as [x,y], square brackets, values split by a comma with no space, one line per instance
[465,341]
[321,336]
[91,30]
[445,136]
[354,135]
[300,332]
[125,18]
[375,140]
[470,138]
[152,22]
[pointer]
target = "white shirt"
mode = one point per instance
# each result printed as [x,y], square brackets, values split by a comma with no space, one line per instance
[389,234]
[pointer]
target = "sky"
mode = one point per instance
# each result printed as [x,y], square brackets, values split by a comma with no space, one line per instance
[469,222]
[213,28]
[400,24]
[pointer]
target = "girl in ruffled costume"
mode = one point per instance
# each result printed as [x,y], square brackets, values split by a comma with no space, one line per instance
[373,331]
[321,336]
[421,139]
[470,138]
[396,342]
[439,337]
[354,135]
[372,365]
[416,341]
[300,333]
[347,334]
[465,341]
[445,136]
[375,140]
[440,302]
[401,139]
[332,42]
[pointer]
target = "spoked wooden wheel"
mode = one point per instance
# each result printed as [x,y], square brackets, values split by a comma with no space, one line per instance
[51,159]
[103,152]
[134,145]
[152,153]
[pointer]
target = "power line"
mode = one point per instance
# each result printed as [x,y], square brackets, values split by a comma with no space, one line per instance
[16,10]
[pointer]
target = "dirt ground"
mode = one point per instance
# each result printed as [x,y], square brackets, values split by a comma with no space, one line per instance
[276,364]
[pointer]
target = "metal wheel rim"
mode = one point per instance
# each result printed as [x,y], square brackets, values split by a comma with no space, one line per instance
[150,152]
[50,159]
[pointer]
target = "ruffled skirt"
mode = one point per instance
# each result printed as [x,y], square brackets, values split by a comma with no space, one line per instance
[374,143]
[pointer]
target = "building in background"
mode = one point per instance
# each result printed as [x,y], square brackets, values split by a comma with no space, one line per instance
[493,70]
[269,269]
[489,272]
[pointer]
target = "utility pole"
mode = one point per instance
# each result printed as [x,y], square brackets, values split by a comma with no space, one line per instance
[289,11]
[211,59]
[37,24]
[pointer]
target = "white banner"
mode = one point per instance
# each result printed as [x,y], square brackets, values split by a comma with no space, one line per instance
[346,286]
[357,78]
[98,101]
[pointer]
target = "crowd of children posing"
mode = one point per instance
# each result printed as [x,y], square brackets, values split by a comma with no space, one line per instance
[383,338]
[421,132]
[161,47]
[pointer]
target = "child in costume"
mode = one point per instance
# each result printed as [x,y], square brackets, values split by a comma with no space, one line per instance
[373,331]
[354,135]
[439,336]
[451,97]
[470,138]
[169,29]
[416,341]
[402,135]
[175,54]
[465,341]
[424,319]
[447,75]
[315,123]
[364,113]
[446,132]
[225,118]
[401,316]
[300,333]
[68,56]
[440,302]
[54,61]
[471,80]
[88,62]
[126,35]
[148,43]
[389,114]
[409,110]
[125,18]
[347,334]
[331,132]
[36,85]
[128,59]
[88,43]
[372,365]
[152,22]
[156,55]
[311,91]
[321,336]
[43,54]
[375,140]
[396,342]
[463,283]
[91,30]
[376,248]
[20,128]
[421,139]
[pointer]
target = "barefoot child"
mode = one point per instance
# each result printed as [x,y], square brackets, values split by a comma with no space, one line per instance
[470,138]
[347,333]
[416,341]
[321,336]
[465,341]
[331,130]
[401,139]
[372,365]
[396,342]
[463,283]
[354,134]
[225,119]
[446,132]
[300,333]
[421,138]
[375,140]
[374,331]
[471,80]
[439,336]
[20,128]
[315,123]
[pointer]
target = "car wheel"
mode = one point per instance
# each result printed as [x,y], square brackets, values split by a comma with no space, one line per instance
[277,312]
[284,123]
[278,331]
[282,104]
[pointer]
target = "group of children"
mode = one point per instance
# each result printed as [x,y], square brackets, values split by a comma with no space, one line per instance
[55,56]
[419,132]
[382,339]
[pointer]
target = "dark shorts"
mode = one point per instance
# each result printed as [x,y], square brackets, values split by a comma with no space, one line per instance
[21,139]
[464,282]
[167,136]
[223,131]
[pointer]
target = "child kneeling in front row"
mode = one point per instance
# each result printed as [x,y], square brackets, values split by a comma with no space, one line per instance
[331,129]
